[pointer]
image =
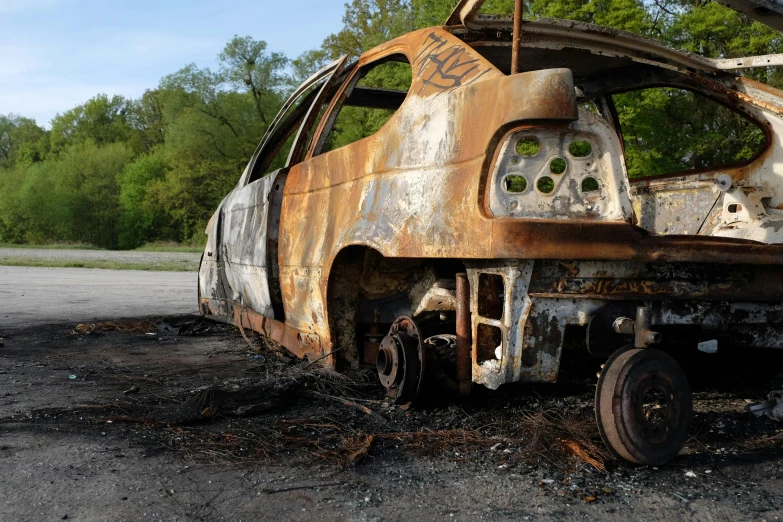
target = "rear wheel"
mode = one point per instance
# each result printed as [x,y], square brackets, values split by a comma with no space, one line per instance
[643,406]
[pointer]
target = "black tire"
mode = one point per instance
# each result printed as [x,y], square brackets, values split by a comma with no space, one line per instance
[643,406]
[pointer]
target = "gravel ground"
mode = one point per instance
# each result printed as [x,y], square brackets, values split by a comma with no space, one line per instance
[81,448]
[122,256]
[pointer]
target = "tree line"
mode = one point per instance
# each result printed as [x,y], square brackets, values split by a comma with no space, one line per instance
[117,172]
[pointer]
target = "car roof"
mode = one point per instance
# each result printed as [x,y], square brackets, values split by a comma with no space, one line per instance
[556,35]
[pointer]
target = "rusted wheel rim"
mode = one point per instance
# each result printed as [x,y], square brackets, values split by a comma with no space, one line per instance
[643,406]
[400,361]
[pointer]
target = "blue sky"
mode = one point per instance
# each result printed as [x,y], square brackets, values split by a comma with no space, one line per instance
[55,54]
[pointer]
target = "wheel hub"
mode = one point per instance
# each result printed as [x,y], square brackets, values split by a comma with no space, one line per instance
[389,358]
[400,361]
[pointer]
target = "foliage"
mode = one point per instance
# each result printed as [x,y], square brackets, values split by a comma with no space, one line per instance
[368,23]
[100,119]
[355,123]
[140,220]
[118,173]
[21,141]
[670,130]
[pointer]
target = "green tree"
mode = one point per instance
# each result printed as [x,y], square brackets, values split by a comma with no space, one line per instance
[30,210]
[245,64]
[100,119]
[21,140]
[145,118]
[141,220]
[368,23]
[87,189]
[305,65]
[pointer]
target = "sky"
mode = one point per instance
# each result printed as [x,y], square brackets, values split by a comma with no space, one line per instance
[56,54]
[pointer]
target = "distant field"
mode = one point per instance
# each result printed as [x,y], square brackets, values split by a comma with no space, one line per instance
[170,247]
[162,261]
[55,246]
[149,247]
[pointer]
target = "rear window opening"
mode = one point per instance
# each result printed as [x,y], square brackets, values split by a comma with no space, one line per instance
[668,130]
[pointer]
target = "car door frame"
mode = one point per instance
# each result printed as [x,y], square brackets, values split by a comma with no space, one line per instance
[250,216]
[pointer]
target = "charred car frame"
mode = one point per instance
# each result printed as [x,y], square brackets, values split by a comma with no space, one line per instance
[440,232]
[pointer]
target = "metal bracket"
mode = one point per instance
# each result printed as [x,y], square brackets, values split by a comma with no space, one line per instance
[639,328]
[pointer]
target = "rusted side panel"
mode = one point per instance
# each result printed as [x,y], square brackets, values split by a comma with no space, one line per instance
[301,344]
[528,239]
[631,280]
[524,341]
[237,269]
[412,189]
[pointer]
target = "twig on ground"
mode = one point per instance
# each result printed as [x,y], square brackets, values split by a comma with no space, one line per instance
[271,491]
[360,445]
[246,338]
[351,404]
[321,358]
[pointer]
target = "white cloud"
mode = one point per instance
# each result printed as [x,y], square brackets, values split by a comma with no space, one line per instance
[8,6]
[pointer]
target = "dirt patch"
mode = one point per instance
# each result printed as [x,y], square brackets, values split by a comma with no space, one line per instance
[206,405]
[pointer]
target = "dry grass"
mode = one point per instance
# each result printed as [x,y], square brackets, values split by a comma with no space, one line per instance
[223,447]
[558,440]
[139,325]
[563,440]
[432,443]
[566,441]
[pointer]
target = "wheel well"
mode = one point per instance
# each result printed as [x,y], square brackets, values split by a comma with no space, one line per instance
[367,291]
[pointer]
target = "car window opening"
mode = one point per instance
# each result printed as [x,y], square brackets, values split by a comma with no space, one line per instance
[378,91]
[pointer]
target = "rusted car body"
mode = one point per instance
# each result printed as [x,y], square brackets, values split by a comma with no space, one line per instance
[335,249]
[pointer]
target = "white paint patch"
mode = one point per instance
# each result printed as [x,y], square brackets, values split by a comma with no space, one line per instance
[710,346]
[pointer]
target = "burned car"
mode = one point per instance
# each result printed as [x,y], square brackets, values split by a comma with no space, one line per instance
[488,212]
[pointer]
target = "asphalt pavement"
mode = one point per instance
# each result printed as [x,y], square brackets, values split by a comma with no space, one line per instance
[30,296]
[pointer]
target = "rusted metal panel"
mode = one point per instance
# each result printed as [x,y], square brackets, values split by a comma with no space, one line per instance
[410,189]
[464,12]
[297,342]
[606,198]
[464,336]
[633,280]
